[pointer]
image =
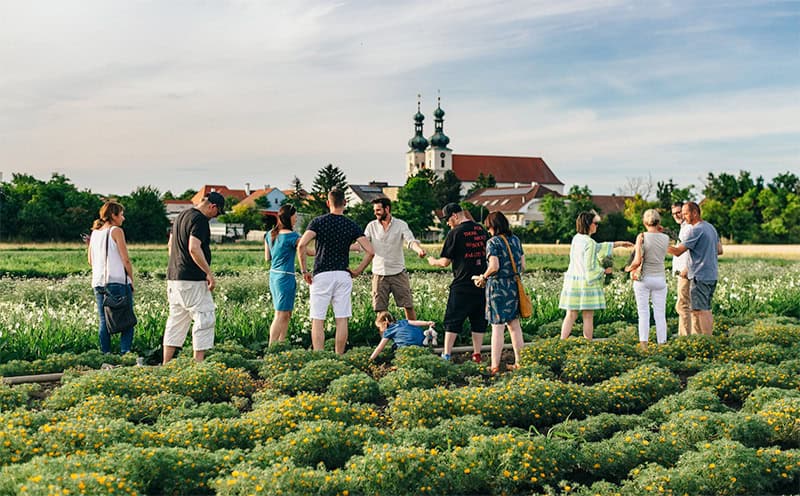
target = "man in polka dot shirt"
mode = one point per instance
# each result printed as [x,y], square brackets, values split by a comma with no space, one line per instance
[332,282]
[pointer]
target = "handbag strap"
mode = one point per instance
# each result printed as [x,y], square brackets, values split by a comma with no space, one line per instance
[510,255]
[105,271]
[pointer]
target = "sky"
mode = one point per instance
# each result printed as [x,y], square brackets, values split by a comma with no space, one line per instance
[176,94]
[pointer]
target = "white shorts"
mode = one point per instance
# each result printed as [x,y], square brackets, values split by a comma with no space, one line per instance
[331,288]
[190,301]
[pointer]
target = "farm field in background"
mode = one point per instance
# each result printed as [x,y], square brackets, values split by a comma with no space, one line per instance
[701,415]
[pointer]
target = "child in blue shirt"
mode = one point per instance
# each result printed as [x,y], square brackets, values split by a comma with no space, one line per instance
[403,332]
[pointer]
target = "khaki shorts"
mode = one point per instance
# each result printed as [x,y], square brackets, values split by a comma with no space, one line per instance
[398,285]
[190,301]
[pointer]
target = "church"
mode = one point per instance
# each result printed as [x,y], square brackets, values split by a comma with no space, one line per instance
[434,154]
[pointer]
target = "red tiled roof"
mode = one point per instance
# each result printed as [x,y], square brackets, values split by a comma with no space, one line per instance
[178,202]
[239,194]
[504,169]
[255,195]
[610,204]
[508,199]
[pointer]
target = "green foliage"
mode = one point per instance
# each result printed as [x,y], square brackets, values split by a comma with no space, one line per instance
[734,381]
[591,364]
[689,399]
[327,178]
[447,434]
[249,215]
[355,388]
[637,389]
[362,213]
[415,204]
[782,415]
[315,376]
[597,427]
[12,397]
[560,213]
[145,215]
[403,379]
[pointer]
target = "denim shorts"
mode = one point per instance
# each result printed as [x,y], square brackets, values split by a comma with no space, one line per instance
[701,293]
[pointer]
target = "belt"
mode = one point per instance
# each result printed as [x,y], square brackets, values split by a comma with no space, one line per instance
[281,271]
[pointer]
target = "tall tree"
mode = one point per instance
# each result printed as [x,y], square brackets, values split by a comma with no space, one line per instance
[482,182]
[642,186]
[361,213]
[248,215]
[328,178]
[560,212]
[188,194]
[145,215]
[415,205]
[669,193]
[448,189]
[634,209]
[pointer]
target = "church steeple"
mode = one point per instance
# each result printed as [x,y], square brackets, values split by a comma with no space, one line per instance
[438,157]
[439,139]
[418,143]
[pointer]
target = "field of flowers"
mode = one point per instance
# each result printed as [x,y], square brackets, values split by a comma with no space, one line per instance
[702,415]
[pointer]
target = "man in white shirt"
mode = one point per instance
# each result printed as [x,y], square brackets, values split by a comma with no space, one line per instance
[388,236]
[680,267]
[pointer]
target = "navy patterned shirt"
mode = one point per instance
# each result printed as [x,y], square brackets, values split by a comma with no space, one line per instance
[335,233]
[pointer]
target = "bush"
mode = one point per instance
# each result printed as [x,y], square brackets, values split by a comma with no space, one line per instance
[696,346]
[783,417]
[634,391]
[596,427]
[763,395]
[293,359]
[611,458]
[392,469]
[404,379]
[12,397]
[721,468]
[589,365]
[59,362]
[690,399]
[754,353]
[356,388]
[550,352]
[734,381]
[693,426]
[280,478]
[446,435]
[314,376]
[320,441]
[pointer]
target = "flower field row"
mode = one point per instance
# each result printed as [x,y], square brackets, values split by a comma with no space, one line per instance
[700,415]
[40,317]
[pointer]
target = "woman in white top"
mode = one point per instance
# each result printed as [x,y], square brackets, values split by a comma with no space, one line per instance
[107,249]
[650,251]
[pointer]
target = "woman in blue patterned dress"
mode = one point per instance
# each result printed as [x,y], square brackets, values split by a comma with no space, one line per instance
[502,295]
[280,245]
[583,281]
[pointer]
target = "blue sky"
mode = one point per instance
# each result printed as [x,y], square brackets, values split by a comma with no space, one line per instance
[182,93]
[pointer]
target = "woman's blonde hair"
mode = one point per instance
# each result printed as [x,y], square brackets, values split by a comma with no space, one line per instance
[108,209]
[651,217]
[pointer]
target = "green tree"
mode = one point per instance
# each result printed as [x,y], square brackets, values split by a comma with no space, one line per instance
[168,195]
[744,218]
[634,209]
[726,188]
[415,205]
[56,204]
[718,214]
[145,215]
[669,193]
[248,215]
[230,202]
[188,194]
[482,182]
[361,213]
[327,178]
[560,213]
[448,189]
[263,202]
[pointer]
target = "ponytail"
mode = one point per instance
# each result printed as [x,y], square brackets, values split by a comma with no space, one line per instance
[284,220]
[108,209]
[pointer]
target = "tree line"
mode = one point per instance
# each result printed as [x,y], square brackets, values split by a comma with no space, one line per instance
[744,209]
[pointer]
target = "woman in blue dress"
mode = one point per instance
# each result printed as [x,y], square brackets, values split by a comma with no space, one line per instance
[502,295]
[280,245]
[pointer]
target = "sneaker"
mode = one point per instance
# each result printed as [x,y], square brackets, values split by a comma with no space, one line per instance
[476,357]
[445,357]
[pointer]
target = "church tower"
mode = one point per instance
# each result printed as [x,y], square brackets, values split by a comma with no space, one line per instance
[438,157]
[415,157]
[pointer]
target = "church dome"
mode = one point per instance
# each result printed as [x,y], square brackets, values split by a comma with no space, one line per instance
[438,113]
[439,139]
[418,143]
[418,117]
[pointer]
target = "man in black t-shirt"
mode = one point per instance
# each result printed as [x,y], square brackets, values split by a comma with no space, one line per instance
[465,249]
[332,283]
[190,280]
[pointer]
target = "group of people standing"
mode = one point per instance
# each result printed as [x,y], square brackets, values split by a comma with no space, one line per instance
[483,289]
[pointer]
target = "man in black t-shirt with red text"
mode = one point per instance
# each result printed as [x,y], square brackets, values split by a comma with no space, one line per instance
[465,249]
[190,280]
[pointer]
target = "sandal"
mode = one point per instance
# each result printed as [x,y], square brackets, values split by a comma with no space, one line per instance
[512,366]
[476,357]
[494,371]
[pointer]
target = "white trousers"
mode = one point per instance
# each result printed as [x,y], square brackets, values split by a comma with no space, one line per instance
[651,288]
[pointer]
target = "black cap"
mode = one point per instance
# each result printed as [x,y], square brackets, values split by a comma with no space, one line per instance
[218,200]
[449,210]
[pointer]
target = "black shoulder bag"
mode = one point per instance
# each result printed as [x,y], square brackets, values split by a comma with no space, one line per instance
[118,309]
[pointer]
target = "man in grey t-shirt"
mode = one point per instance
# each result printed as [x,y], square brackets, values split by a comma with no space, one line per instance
[704,247]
